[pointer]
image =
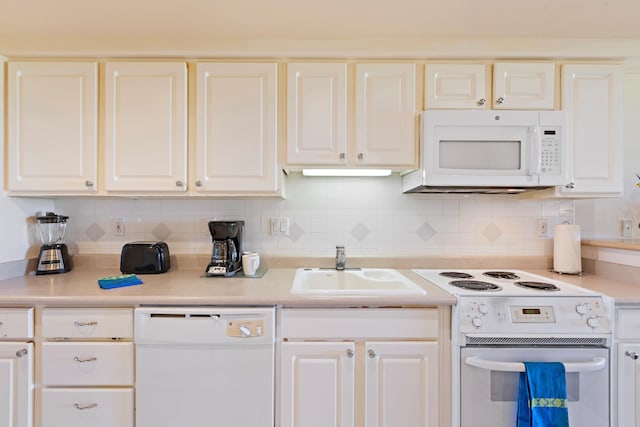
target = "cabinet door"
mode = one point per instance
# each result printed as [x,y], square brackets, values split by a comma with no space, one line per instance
[16,384]
[386,116]
[401,384]
[449,86]
[316,113]
[52,127]
[524,85]
[317,384]
[146,126]
[592,98]
[628,385]
[236,105]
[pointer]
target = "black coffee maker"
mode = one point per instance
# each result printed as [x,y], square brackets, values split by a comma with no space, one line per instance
[226,257]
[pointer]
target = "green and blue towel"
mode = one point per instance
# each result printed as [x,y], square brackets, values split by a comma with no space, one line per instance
[542,395]
[119,281]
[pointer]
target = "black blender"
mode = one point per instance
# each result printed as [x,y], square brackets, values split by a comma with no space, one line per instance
[54,255]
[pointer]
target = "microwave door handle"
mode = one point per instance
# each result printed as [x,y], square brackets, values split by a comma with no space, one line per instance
[535,141]
[595,364]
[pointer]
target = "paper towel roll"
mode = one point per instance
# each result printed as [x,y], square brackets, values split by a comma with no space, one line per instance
[566,249]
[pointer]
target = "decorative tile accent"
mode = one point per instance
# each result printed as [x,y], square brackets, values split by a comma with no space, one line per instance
[295,232]
[426,232]
[161,231]
[360,232]
[492,232]
[94,232]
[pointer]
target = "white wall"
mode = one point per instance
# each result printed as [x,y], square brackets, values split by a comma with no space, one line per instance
[17,239]
[601,218]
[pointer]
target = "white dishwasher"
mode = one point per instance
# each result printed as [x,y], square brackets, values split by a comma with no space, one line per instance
[204,366]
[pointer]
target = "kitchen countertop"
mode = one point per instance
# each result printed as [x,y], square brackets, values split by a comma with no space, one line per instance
[187,287]
[628,244]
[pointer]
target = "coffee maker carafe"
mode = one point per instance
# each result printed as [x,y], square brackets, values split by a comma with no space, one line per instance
[54,255]
[227,239]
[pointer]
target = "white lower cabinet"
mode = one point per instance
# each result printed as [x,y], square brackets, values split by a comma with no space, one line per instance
[87,367]
[359,367]
[628,367]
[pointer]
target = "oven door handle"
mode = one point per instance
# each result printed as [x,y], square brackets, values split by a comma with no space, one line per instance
[595,364]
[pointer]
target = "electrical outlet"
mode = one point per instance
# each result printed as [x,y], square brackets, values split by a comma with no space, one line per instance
[117,227]
[626,225]
[542,227]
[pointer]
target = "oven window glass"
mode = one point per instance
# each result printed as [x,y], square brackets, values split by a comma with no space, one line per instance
[504,386]
[479,154]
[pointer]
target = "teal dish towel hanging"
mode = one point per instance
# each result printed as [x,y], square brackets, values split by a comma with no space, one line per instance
[542,395]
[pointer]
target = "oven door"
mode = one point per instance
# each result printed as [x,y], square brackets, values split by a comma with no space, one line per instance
[489,383]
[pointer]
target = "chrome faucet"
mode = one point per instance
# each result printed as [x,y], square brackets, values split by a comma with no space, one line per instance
[341,257]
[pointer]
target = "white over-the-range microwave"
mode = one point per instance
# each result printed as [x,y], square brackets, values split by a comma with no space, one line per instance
[490,151]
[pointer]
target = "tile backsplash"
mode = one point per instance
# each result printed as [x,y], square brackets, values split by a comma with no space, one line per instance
[370,216]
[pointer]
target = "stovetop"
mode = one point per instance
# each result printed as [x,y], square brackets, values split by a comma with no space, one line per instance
[500,282]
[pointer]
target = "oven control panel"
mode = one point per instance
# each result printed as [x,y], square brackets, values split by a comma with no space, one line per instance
[532,315]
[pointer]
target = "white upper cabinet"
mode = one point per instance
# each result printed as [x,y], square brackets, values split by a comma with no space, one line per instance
[145,126]
[375,128]
[592,98]
[52,127]
[316,113]
[511,85]
[524,85]
[451,86]
[236,128]
[386,116]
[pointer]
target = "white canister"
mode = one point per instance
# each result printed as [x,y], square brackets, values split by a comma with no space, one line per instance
[566,249]
[250,263]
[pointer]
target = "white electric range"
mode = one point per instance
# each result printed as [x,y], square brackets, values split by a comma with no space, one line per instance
[506,317]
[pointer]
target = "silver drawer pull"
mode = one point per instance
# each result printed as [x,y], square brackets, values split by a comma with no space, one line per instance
[372,354]
[83,407]
[349,353]
[90,359]
[94,323]
[632,354]
[21,352]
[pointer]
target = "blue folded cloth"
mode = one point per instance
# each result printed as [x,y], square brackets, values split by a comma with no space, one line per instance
[119,281]
[542,396]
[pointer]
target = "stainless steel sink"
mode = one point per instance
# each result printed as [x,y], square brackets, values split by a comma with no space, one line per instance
[365,281]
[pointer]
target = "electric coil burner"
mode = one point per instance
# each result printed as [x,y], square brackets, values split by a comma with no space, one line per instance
[543,286]
[508,275]
[456,275]
[475,285]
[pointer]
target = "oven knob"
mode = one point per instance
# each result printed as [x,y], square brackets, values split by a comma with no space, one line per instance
[245,331]
[483,309]
[593,322]
[476,321]
[581,309]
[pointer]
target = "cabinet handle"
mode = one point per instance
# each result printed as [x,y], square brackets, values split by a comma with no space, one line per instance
[342,156]
[83,407]
[349,353]
[632,354]
[22,352]
[372,354]
[198,183]
[91,359]
[570,185]
[500,100]
[360,156]
[81,324]
[179,183]
[88,183]
[482,101]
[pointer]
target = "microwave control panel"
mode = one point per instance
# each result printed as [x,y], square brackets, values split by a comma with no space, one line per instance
[550,151]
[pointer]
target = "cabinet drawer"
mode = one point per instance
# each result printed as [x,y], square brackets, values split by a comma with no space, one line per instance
[83,364]
[628,324]
[87,407]
[16,323]
[87,323]
[359,323]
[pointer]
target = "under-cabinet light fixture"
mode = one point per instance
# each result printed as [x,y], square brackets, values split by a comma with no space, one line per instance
[346,172]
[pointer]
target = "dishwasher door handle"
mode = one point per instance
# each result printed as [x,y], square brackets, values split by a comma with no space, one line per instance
[595,364]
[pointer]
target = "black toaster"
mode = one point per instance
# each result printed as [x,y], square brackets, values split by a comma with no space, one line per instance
[145,258]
